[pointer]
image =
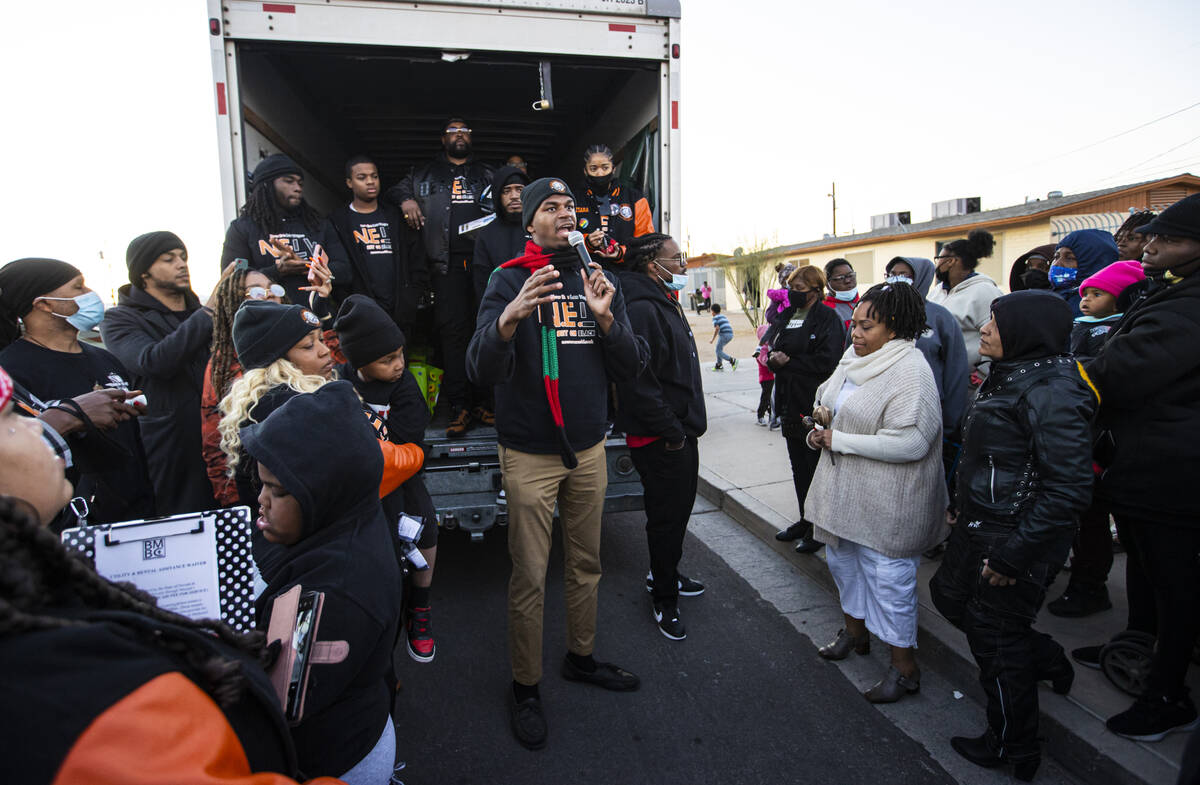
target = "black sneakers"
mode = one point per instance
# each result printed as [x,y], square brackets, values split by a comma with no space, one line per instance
[669,624]
[687,586]
[1153,717]
[1079,601]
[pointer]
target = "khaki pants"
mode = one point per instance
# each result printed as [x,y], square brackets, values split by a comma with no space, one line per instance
[532,484]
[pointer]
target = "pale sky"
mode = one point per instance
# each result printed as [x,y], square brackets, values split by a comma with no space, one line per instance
[110,129]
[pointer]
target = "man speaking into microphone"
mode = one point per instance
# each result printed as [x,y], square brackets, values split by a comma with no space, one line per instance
[550,336]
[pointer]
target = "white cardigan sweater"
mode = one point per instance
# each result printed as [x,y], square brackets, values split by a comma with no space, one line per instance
[887,490]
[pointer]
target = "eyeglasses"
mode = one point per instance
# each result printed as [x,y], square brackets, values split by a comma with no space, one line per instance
[457,130]
[260,292]
[680,260]
[946,256]
[844,277]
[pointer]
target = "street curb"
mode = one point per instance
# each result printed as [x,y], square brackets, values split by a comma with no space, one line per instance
[1067,728]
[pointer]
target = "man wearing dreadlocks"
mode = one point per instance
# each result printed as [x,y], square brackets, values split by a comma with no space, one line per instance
[279,231]
[551,336]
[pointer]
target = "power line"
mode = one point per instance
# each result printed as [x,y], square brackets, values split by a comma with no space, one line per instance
[1117,136]
[1155,157]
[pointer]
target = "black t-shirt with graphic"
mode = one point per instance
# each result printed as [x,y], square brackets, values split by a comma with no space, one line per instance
[110,466]
[372,244]
[464,208]
[245,240]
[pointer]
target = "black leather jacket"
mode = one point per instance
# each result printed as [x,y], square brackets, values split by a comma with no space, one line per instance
[1027,459]
[430,186]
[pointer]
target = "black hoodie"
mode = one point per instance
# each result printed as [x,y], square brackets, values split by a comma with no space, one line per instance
[244,240]
[334,473]
[667,398]
[166,351]
[502,239]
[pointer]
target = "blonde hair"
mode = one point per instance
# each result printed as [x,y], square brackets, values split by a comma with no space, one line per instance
[245,394]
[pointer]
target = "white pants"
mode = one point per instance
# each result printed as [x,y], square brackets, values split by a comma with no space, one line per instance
[878,589]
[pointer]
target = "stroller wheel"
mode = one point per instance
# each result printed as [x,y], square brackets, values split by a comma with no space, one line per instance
[1126,662]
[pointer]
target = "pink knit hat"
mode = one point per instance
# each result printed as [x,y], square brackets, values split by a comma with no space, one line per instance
[1114,278]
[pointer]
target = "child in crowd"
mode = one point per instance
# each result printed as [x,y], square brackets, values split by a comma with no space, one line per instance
[1087,590]
[722,330]
[766,379]
[374,348]
[1101,306]
[319,469]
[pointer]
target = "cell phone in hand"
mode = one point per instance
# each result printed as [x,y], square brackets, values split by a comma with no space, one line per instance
[307,614]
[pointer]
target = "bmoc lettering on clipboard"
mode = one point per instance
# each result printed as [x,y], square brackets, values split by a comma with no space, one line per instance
[196,564]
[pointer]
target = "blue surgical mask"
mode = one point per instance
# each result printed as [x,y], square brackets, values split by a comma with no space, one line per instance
[89,315]
[899,279]
[678,281]
[1060,276]
[847,296]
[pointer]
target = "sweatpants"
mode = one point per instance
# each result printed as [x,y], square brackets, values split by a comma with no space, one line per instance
[669,480]
[532,485]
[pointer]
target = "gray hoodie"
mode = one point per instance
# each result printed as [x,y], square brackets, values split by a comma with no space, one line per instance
[943,347]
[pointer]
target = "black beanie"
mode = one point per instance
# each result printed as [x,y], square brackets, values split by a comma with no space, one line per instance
[1032,323]
[144,249]
[539,191]
[274,166]
[1181,219]
[264,331]
[365,331]
[22,282]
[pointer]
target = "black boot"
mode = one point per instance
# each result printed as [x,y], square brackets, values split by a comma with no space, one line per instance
[985,751]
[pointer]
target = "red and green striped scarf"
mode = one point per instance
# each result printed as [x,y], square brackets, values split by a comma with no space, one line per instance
[534,259]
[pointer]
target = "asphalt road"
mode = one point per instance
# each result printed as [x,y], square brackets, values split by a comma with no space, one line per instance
[743,700]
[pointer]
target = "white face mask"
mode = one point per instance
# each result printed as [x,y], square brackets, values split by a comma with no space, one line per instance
[899,279]
[847,296]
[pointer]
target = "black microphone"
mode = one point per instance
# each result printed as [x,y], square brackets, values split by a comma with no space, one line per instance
[576,239]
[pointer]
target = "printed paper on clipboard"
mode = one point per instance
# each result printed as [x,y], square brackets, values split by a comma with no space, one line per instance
[197,564]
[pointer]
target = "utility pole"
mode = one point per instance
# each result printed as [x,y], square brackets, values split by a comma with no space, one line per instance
[833,195]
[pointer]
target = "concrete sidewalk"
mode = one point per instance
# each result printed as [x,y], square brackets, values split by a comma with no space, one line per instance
[744,471]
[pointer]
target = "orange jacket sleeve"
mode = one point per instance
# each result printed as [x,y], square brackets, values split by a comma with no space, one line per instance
[400,461]
[643,222]
[167,730]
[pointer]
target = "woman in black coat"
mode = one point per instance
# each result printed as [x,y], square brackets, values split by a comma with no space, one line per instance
[805,342]
[320,467]
[1024,477]
[662,413]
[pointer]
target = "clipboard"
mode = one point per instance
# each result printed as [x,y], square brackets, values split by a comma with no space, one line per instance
[197,564]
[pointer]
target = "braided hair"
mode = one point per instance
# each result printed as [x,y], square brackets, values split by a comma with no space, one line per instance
[38,574]
[263,208]
[231,292]
[897,305]
[978,245]
[597,149]
[642,250]
[1134,222]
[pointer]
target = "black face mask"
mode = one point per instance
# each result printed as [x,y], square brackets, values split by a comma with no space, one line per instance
[1035,279]
[599,184]
[798,299]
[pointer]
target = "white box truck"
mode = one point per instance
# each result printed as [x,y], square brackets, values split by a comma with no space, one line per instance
[321,80]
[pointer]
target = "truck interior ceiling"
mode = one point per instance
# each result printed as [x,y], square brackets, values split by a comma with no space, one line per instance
[323,103]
